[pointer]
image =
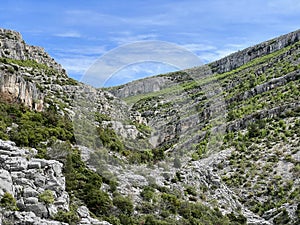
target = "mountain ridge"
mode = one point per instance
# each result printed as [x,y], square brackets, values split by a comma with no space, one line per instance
[210,145]
[221,65]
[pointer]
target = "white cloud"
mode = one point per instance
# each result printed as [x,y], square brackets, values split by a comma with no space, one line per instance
[93,18]
[198,47]
[138,71]
[128,37]
[219,53]
[69,34]
[80,50]
[77,65]
[151,51]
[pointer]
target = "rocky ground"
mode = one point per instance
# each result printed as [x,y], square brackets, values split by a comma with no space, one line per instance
[217,144]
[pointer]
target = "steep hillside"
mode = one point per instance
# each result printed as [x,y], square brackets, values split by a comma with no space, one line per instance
[217,144]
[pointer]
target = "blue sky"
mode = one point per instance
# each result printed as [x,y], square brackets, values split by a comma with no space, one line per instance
[76,33]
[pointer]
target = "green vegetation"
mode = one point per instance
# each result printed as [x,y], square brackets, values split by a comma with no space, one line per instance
[25,63]
[143,128]
[100,117]
[69,217]
[124,204]
[230,76]
[47,197]
[262,136]
[8,202]
[33,128]
[253,164]
[110,139]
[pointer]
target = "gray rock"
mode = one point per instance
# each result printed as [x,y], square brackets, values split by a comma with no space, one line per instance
[13,46]
[83,212]
[16,164]
[30,192]
[34,165]
[31,200]
[5,182]
[39,210]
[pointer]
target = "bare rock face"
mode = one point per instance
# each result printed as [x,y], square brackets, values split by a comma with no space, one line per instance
[16,82]
[26,178]
[241,57]
[86,219]
[146,85]
[13,46]
[14,88]
[156,83]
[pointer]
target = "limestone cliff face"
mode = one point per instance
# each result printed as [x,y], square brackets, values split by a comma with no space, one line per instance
[16,81]
[225,64]
[146,85]
[241,57]
[26,178]
[14,88]
[179,115]
[13,46]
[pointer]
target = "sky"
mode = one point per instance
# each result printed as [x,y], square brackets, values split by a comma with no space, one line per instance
[79,33]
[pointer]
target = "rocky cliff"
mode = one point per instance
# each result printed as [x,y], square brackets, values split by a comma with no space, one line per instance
[28,178]
[223,65]
[12,46]
[216,144]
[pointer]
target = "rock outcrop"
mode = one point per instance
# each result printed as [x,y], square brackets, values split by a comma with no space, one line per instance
[241,57]
[14,89]
[193,138]
[27,178]
[223,65]
[12,46]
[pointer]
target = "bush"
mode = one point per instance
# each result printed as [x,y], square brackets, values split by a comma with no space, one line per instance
[97,201]
[8,202]
[34,127]
[70,217]
[147,193]
[191,190]
[47,197]
[124,204]
[177,163]
[100,117]
[110,139]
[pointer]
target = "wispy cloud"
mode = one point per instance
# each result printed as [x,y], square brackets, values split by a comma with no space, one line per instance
[147,51]
[77,34]
[129,37]
[83,50]
[94,18]
[199,47]
[77,65]
[218,53]
[69,34]
[77,60]
[137,71]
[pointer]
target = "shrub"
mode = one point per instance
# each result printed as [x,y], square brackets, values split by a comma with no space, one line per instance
[177,163]
[100,117]
[147,193]
[191,190]
[47,197]
[69,217]
[124,204]
[8,202]
[97,201]
[110,139]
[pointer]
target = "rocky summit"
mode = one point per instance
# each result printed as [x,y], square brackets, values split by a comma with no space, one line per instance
[215,144]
